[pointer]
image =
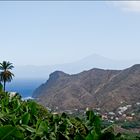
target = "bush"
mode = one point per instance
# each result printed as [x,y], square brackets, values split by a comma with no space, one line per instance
[30,121]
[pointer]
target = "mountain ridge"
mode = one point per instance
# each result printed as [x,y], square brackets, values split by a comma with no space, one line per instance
[95,88]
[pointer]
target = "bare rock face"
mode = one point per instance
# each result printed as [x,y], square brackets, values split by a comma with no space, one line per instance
[96,88]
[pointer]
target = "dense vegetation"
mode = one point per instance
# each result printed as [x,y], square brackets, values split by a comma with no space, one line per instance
[30,121]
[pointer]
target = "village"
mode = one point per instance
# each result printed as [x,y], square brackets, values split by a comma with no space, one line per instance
[121,114]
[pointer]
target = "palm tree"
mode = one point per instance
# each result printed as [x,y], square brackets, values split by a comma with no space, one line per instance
[6,75]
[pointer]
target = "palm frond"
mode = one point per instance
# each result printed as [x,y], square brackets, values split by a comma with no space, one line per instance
[5,65]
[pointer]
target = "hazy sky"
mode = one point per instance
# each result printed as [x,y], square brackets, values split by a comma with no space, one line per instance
[41,33]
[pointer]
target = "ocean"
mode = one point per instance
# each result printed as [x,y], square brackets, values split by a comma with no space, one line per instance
[25,87]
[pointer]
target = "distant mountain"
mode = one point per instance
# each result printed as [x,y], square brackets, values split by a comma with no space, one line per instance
[92,61]
[95,88]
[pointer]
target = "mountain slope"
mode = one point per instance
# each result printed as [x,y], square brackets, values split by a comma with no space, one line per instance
[96,88]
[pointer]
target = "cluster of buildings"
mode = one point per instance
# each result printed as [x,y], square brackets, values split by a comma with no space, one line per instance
[122,113]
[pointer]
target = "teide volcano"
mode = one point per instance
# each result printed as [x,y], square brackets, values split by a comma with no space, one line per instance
[95,88]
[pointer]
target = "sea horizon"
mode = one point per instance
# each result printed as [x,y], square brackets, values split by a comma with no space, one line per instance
[24,86]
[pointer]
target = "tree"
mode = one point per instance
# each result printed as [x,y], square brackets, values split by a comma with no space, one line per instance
[6,75]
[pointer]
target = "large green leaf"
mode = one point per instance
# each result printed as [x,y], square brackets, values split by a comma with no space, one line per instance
[26,118]
[43,128]
[92,136]
[9,132]
[33,107]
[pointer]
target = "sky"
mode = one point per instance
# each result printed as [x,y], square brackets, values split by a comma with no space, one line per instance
[57,32]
